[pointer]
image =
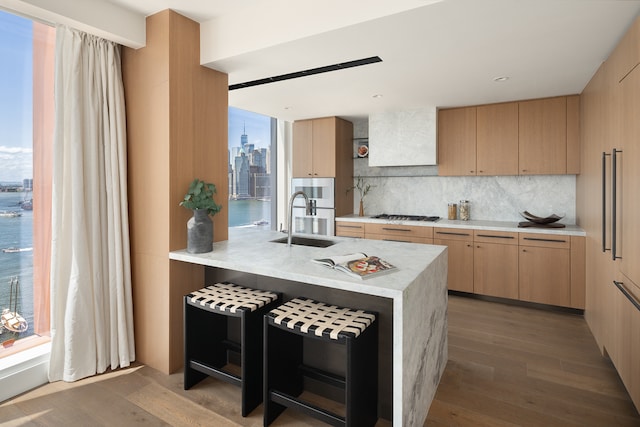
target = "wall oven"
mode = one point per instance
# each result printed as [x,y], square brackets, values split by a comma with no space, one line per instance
[320,192]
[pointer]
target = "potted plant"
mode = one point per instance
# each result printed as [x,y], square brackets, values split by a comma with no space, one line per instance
[199,199]
[363,188]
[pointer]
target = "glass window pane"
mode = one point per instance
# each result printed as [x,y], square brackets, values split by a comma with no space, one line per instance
[250,167]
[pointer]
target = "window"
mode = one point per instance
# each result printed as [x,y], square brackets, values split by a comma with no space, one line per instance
[26,133]
[251,162]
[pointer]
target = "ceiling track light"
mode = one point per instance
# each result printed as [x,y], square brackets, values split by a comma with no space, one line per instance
[310,72]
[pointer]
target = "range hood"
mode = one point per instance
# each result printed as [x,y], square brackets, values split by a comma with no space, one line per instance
[403,138]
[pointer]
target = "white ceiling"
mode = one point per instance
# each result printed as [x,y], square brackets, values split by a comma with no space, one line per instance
[440,54]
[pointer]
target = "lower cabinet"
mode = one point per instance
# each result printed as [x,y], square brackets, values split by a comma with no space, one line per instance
[495,264]
[460,246]
[625,352]
[544,264]
[534,267]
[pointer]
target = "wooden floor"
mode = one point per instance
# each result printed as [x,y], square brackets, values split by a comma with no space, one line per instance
[508,366]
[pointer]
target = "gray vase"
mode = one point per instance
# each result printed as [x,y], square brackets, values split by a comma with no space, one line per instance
[199,232]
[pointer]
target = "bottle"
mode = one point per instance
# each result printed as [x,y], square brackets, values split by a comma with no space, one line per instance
[465,214]
[453,211]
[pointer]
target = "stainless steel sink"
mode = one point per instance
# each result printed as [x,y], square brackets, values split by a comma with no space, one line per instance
[306,241]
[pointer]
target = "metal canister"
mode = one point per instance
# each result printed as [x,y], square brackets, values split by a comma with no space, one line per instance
[465,213]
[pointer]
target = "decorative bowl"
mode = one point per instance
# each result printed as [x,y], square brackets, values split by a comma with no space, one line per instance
[540,220]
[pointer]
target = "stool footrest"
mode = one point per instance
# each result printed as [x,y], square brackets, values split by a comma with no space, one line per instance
[215,372]
[324,376]
[307,408]
[232,346]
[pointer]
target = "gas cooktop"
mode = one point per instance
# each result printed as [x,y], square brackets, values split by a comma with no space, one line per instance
[395,217]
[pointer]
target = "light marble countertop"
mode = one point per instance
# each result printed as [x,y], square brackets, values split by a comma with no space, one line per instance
[251,251]
[568,230]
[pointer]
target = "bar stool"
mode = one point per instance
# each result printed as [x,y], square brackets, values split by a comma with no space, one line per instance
[207,346]
[285,328]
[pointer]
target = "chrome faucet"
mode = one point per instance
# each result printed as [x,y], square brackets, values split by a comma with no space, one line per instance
[307,204]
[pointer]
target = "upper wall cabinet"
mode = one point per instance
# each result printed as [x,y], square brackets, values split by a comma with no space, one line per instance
[319,145]
[513,138]
[497,139]
[403,138]
[543,136]
[457,141]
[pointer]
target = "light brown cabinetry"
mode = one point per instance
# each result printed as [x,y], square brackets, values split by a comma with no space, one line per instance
[399,233]
[495,264]
[625,351]
[350,229]
[497,139]
[544,264]
[609,121]
[460,267]
[542,136]
[628,221]
[321,146]
[457,141]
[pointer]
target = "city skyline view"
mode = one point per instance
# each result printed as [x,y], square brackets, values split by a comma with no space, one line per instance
[16,153]
[257,126]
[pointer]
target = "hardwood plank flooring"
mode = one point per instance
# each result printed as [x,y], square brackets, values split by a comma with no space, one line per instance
[508,366]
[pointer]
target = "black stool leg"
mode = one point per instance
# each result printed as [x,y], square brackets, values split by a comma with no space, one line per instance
[203,335]
[282,358]
[361,385]
[251,360]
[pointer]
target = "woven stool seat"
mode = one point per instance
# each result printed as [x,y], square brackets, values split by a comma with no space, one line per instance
[322,320]
[228,297]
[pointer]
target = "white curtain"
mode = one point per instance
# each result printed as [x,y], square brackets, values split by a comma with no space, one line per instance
[91,304]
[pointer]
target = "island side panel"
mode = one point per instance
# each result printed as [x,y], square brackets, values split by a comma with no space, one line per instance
[424,341]
[317,355]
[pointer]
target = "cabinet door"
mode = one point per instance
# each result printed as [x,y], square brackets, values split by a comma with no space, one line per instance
[457,141]
[302,166]
[543,136]
[497,139]
[625,353]
[324,148]
[460,269]
[495,270]
[545,275]
[573,134]
[628,220]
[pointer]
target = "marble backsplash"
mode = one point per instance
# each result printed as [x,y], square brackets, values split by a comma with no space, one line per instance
[499,198]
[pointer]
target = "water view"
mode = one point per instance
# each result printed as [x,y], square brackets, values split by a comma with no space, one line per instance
[16,259]
[243,213]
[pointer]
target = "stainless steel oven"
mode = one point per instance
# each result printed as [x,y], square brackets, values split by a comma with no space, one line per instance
[321,193]
[319,189]
[322,223]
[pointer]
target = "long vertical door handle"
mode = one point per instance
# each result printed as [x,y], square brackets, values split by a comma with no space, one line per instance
[604,201]
[614,216]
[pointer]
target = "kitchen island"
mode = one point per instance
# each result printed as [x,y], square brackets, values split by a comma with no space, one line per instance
[411,302]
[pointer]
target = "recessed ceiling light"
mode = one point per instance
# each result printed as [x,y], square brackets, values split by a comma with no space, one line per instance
[287,108]
[501,79]
[377,95]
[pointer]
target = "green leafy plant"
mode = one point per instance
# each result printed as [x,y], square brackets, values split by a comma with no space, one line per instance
[200,196]
[362,186]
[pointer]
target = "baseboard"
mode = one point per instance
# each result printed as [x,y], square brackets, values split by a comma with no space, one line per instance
[24,371]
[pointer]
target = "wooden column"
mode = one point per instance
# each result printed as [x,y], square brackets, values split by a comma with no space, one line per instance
[177,131]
